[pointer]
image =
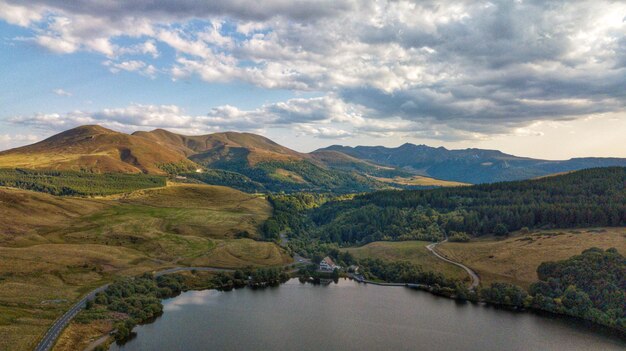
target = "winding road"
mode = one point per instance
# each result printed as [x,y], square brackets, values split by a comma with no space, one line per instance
[55,330]
[473,275]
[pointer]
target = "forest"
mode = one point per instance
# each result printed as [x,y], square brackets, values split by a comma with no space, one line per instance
[591,286]
[593,197]
[135,300]
[77,183]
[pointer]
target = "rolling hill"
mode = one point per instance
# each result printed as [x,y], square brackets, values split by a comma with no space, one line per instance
[469,165]
[217,147]
[95,149]
[254,163]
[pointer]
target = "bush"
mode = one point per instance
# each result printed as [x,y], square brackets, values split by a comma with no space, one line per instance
[459,237]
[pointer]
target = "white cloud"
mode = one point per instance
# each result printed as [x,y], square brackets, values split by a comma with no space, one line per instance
[131,66]
[61,92]
[20,15]
[465,69]
[15,140]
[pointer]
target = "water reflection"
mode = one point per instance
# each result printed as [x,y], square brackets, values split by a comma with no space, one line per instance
[349,316]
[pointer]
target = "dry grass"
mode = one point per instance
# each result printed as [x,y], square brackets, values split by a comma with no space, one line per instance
[94,148]
[27,215]
[53,250]
[412,251]
[40,282]
[419,181]
[242,253]
[79,336]
[515,259]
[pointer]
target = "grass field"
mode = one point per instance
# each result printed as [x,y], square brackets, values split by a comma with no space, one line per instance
[55,249]
[412,251]
[515,259]
[419,181]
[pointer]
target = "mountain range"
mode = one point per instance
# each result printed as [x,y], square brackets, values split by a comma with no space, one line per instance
[254,163]
[473,166]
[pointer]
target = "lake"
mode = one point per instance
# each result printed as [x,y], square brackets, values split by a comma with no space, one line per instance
[352,316]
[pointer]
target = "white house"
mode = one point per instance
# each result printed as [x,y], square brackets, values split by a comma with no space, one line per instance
[327,264]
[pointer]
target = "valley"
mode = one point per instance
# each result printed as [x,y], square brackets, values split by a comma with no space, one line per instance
[312,175]
[67,246]
[91,206]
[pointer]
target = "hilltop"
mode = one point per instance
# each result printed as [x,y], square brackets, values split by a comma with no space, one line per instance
[211,148]
[254,163]
[95,149]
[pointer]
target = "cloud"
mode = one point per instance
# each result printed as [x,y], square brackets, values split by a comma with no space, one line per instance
[131,66]
[310,116]
[19,15]
[15,140]
[61,92]
[449,70]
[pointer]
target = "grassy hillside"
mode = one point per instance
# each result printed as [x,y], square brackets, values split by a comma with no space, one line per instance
[77,183]
[95,149]
[254,163]
[418,181]
[515,259]
[246,161]
[412,251]
[66,246]
[214,147]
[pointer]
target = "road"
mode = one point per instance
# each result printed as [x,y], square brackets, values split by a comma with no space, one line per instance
[55,330]
[53,333]
[473,275]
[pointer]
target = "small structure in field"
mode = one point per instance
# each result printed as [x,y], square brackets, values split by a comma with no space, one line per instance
[327,264]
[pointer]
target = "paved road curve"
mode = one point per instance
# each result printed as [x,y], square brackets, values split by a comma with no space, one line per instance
[473,275]
[53,333]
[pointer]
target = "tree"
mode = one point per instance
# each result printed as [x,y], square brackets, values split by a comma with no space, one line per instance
[500,229]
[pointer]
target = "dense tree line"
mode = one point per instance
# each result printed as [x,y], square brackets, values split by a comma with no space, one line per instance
[174,168]
[77,183]
[289,213]
[590,286]
[593,197]
[255,278]
[138,299]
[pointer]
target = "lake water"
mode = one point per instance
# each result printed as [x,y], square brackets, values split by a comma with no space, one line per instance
[352,316]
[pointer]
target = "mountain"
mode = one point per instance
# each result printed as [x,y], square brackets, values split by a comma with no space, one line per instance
[95,149]
[254,163]
[214,147]
[469,165]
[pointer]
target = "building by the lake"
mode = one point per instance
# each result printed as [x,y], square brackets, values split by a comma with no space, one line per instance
[327,264]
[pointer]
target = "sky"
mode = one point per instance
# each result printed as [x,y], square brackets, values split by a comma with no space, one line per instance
[544,78]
